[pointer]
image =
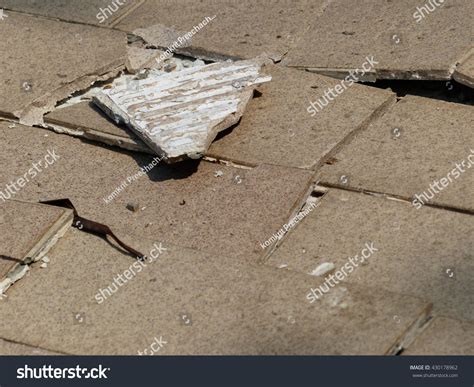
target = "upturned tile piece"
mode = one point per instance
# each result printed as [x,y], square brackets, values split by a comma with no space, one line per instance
[192,303]
[427,253]
[421,150]
[180,113]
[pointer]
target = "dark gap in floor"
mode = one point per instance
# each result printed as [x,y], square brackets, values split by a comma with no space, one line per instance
[450,91]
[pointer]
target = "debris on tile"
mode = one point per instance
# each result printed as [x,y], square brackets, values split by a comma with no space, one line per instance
[323,269]
[179,114]
[218,173]
[133,206]
[44,265]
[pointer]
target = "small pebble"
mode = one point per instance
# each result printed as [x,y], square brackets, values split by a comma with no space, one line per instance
[218,173]
[133,206]
[44,265]
[45,259]
[182,202]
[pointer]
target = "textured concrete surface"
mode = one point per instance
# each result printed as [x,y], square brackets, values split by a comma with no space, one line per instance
[277,128]
[452,337]
[426,253]
[86,120]
[274,26]
[348,31]
[416,143]
[100,12]
[186,204]
[22,227]
[8,348]
[198,304]
[44,61]
[465,72]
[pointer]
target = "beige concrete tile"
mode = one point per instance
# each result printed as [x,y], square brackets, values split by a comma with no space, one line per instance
[465,72]
[278,129]
[348,31]
[100,12]
[427,253]
[85,120]
[186,203]
[444,337]
[8,348]
[198,304]
[414,149]
[244,29]
[45,61]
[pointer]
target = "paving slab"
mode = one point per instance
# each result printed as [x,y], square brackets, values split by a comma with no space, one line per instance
[419,147]
[8,348]
[194,303]
[27,232]
[444,337]
[245,29]
[465,72]
[86,120]
[31,88]
[198,205]
[278,129]
[400,35]
[100,12]
[426,253]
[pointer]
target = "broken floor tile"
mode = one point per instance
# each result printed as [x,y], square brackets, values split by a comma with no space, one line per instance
[86,120]
[419,147]
[245,29]
[179,114]
[27,232]
[399,36]
[8,348]
[100,12]
[195,303]
[465,72]
[229,215]
[427,253]
[444,337]
[30,87]
[278,129]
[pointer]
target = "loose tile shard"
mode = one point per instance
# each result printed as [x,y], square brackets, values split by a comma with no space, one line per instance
[179,114]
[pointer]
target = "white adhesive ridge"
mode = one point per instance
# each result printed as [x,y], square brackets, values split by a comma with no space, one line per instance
[178,114]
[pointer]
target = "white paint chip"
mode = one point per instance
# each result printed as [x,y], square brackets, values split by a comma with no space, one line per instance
[323,269]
